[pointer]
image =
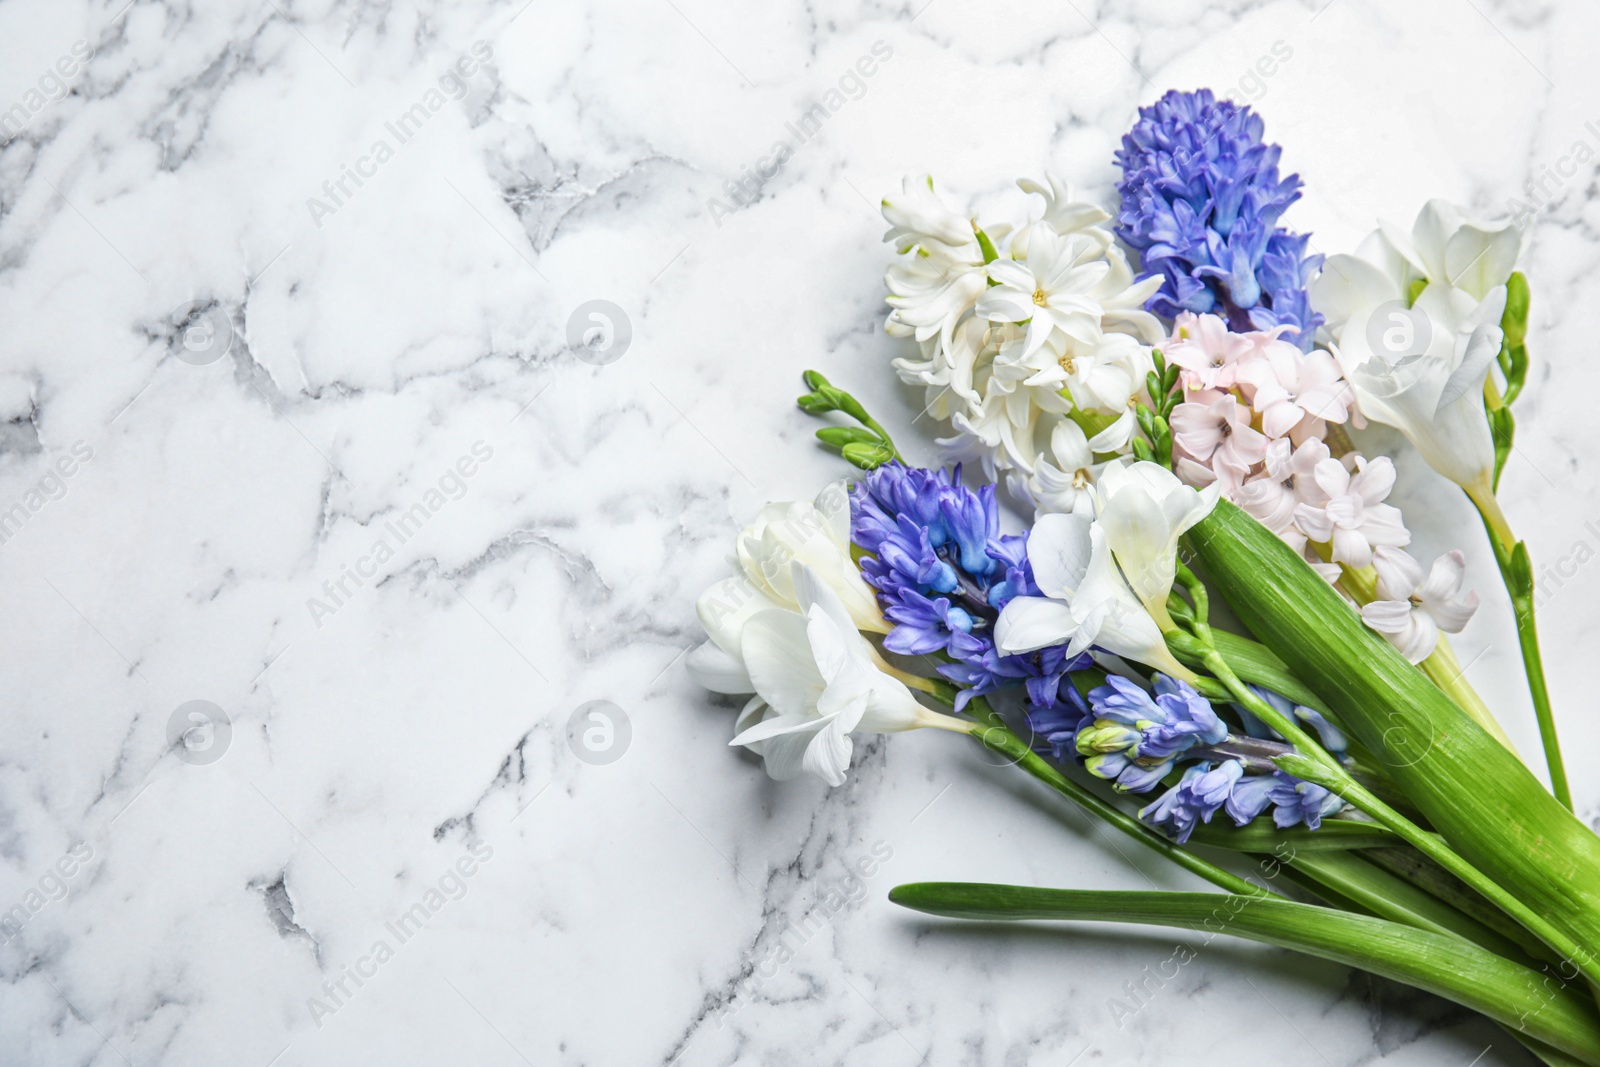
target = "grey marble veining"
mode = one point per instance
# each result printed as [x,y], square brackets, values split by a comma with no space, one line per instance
[286,287]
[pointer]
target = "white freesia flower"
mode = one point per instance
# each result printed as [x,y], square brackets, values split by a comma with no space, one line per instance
[819,681]
[1420,365]
[816,534]
[724,609]
[1436,400]
[1450,247]
[1086,599]
[1144,509]
[1410,610]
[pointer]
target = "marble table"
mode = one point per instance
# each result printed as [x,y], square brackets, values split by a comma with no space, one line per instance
[316,535]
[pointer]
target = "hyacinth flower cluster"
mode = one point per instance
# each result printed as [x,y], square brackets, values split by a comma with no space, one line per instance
[1137,740]
[1255,419]
[943,572]
[1032,335]
[1201,200]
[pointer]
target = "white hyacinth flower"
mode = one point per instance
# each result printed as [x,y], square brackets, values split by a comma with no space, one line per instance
[1063,329]
[1411,609]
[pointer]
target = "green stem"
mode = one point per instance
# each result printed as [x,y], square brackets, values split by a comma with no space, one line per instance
[1516,570]
[995,735]
[1315,765]
[1434,848]
[1441,666]
[1533,663]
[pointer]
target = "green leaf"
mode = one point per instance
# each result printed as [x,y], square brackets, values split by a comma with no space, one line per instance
[1407,863]
[1142,450]
[1377,891]
[1483,800]
[1517,997]
[867,456]
[1262,836]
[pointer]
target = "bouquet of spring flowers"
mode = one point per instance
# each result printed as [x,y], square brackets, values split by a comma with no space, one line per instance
[1211,635]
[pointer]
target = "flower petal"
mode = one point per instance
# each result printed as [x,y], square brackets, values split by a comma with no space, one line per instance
[1028,623]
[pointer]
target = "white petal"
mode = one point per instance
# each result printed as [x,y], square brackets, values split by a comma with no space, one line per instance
[777,654]
[754,710]
[785,754]
[828,754]
[1420,638]
[775,726]
[1059,550]
[1444,577]
[726,607]
[1028,623]
[1482,347]
[1116,436]
[717,670]
[1387,616]
[1398,573]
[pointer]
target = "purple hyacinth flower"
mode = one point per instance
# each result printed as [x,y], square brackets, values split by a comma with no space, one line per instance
[1201,199]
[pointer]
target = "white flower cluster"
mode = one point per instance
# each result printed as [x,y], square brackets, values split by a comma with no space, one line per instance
[1034,340]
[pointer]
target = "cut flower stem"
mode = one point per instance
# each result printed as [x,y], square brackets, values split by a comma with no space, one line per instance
[1517,572]
[992,732]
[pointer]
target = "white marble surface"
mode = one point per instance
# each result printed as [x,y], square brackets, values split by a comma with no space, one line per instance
[620,906]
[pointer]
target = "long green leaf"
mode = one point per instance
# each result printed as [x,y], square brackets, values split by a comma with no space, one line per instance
[1522,1000]
[1257,663]
[1261,836]
[1479,796]
[1377,891]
